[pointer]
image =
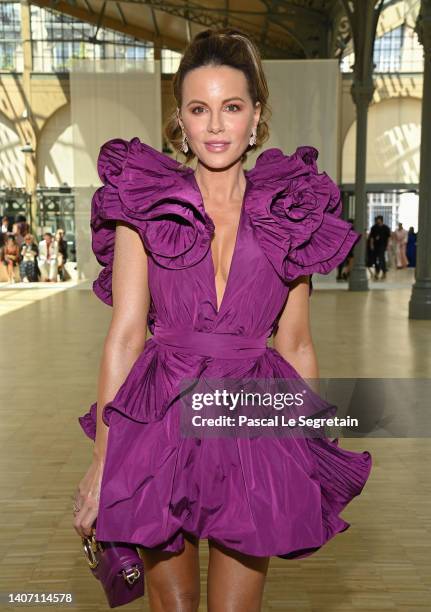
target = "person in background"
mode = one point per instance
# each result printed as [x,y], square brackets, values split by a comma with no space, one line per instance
[9,255]
[28,264]
[4,230]
[369,255]
[400,239]
[20,229]
[379,238]
[47,258]
[5,224]
[62,253]
[411,247]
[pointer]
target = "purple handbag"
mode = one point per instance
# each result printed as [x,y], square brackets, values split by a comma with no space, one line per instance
[119,568]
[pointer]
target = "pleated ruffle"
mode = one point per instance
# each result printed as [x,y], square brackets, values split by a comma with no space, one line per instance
[264,496]
[295,211]
[147,190]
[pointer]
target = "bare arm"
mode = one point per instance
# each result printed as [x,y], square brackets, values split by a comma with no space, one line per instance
[123,344]
[293,337]
[128,328]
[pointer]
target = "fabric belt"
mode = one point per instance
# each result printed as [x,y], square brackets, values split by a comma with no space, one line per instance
[211,344]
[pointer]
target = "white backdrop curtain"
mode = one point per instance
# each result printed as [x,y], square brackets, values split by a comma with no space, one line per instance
[109,99]
[305,97]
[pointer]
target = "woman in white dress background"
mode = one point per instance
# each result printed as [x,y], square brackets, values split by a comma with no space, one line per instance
[399,237]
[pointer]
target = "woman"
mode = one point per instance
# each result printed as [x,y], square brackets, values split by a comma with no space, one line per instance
[400,240]
[223,249]
[10,257]
[28,265]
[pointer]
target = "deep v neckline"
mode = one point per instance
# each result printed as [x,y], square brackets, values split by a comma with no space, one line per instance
[218,308]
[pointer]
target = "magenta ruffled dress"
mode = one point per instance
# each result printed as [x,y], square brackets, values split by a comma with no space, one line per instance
[263,496]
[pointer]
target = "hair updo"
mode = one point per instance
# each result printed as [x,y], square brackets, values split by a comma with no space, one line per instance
[229,47]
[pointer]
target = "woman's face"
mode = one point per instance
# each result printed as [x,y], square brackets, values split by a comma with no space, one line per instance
[216,106]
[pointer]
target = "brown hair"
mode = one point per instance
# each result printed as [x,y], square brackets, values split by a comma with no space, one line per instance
[229,47]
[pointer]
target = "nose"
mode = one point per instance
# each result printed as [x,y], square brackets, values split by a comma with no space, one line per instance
[215,123]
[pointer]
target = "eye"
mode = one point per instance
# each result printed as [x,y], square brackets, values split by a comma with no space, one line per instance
[197,108]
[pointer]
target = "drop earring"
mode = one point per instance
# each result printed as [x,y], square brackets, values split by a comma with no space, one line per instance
[184,145]
[252,140]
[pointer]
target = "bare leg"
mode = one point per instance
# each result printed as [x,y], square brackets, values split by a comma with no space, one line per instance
[235,581]
[173,579]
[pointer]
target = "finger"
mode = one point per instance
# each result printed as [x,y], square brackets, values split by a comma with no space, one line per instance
[77,523]
[80,522]
[86,521]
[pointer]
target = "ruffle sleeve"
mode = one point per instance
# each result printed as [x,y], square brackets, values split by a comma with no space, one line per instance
[147,190]
[296,214]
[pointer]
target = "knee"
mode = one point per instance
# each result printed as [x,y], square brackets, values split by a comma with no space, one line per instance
[181,601]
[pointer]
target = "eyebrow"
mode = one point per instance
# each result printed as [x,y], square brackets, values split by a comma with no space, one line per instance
[227,100]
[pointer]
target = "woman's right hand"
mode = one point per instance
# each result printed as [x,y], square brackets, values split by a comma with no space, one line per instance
[87,499]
